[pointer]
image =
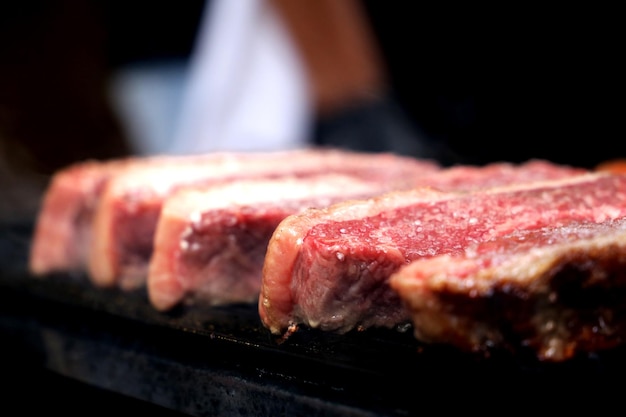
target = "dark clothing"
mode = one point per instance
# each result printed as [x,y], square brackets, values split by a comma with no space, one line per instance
[509,84]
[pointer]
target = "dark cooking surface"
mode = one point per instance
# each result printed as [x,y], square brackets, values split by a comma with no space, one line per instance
[199,361]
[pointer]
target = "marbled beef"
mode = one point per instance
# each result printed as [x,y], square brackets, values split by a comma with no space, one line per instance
[126,217]
[210,244]
[63,228]
[556,291]
[329,268]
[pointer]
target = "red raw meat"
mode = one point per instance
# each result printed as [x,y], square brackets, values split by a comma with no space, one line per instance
[126,217]
[329,268]
[557,290]
[472,177]
[210,244]
[63,232]
[225,229]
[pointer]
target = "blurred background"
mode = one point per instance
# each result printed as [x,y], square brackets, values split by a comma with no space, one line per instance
[462,84]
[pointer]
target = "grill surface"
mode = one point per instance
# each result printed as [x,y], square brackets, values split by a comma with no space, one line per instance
[221,361]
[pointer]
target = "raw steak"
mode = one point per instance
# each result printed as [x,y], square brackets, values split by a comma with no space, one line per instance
[126,218]
[62,232]
[210,244]
[329,268]
[225,230]
[558,291]
[471,177]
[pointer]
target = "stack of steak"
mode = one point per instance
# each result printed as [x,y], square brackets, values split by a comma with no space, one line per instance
[515,256]
[102,216]
[210,243]
[457,262]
